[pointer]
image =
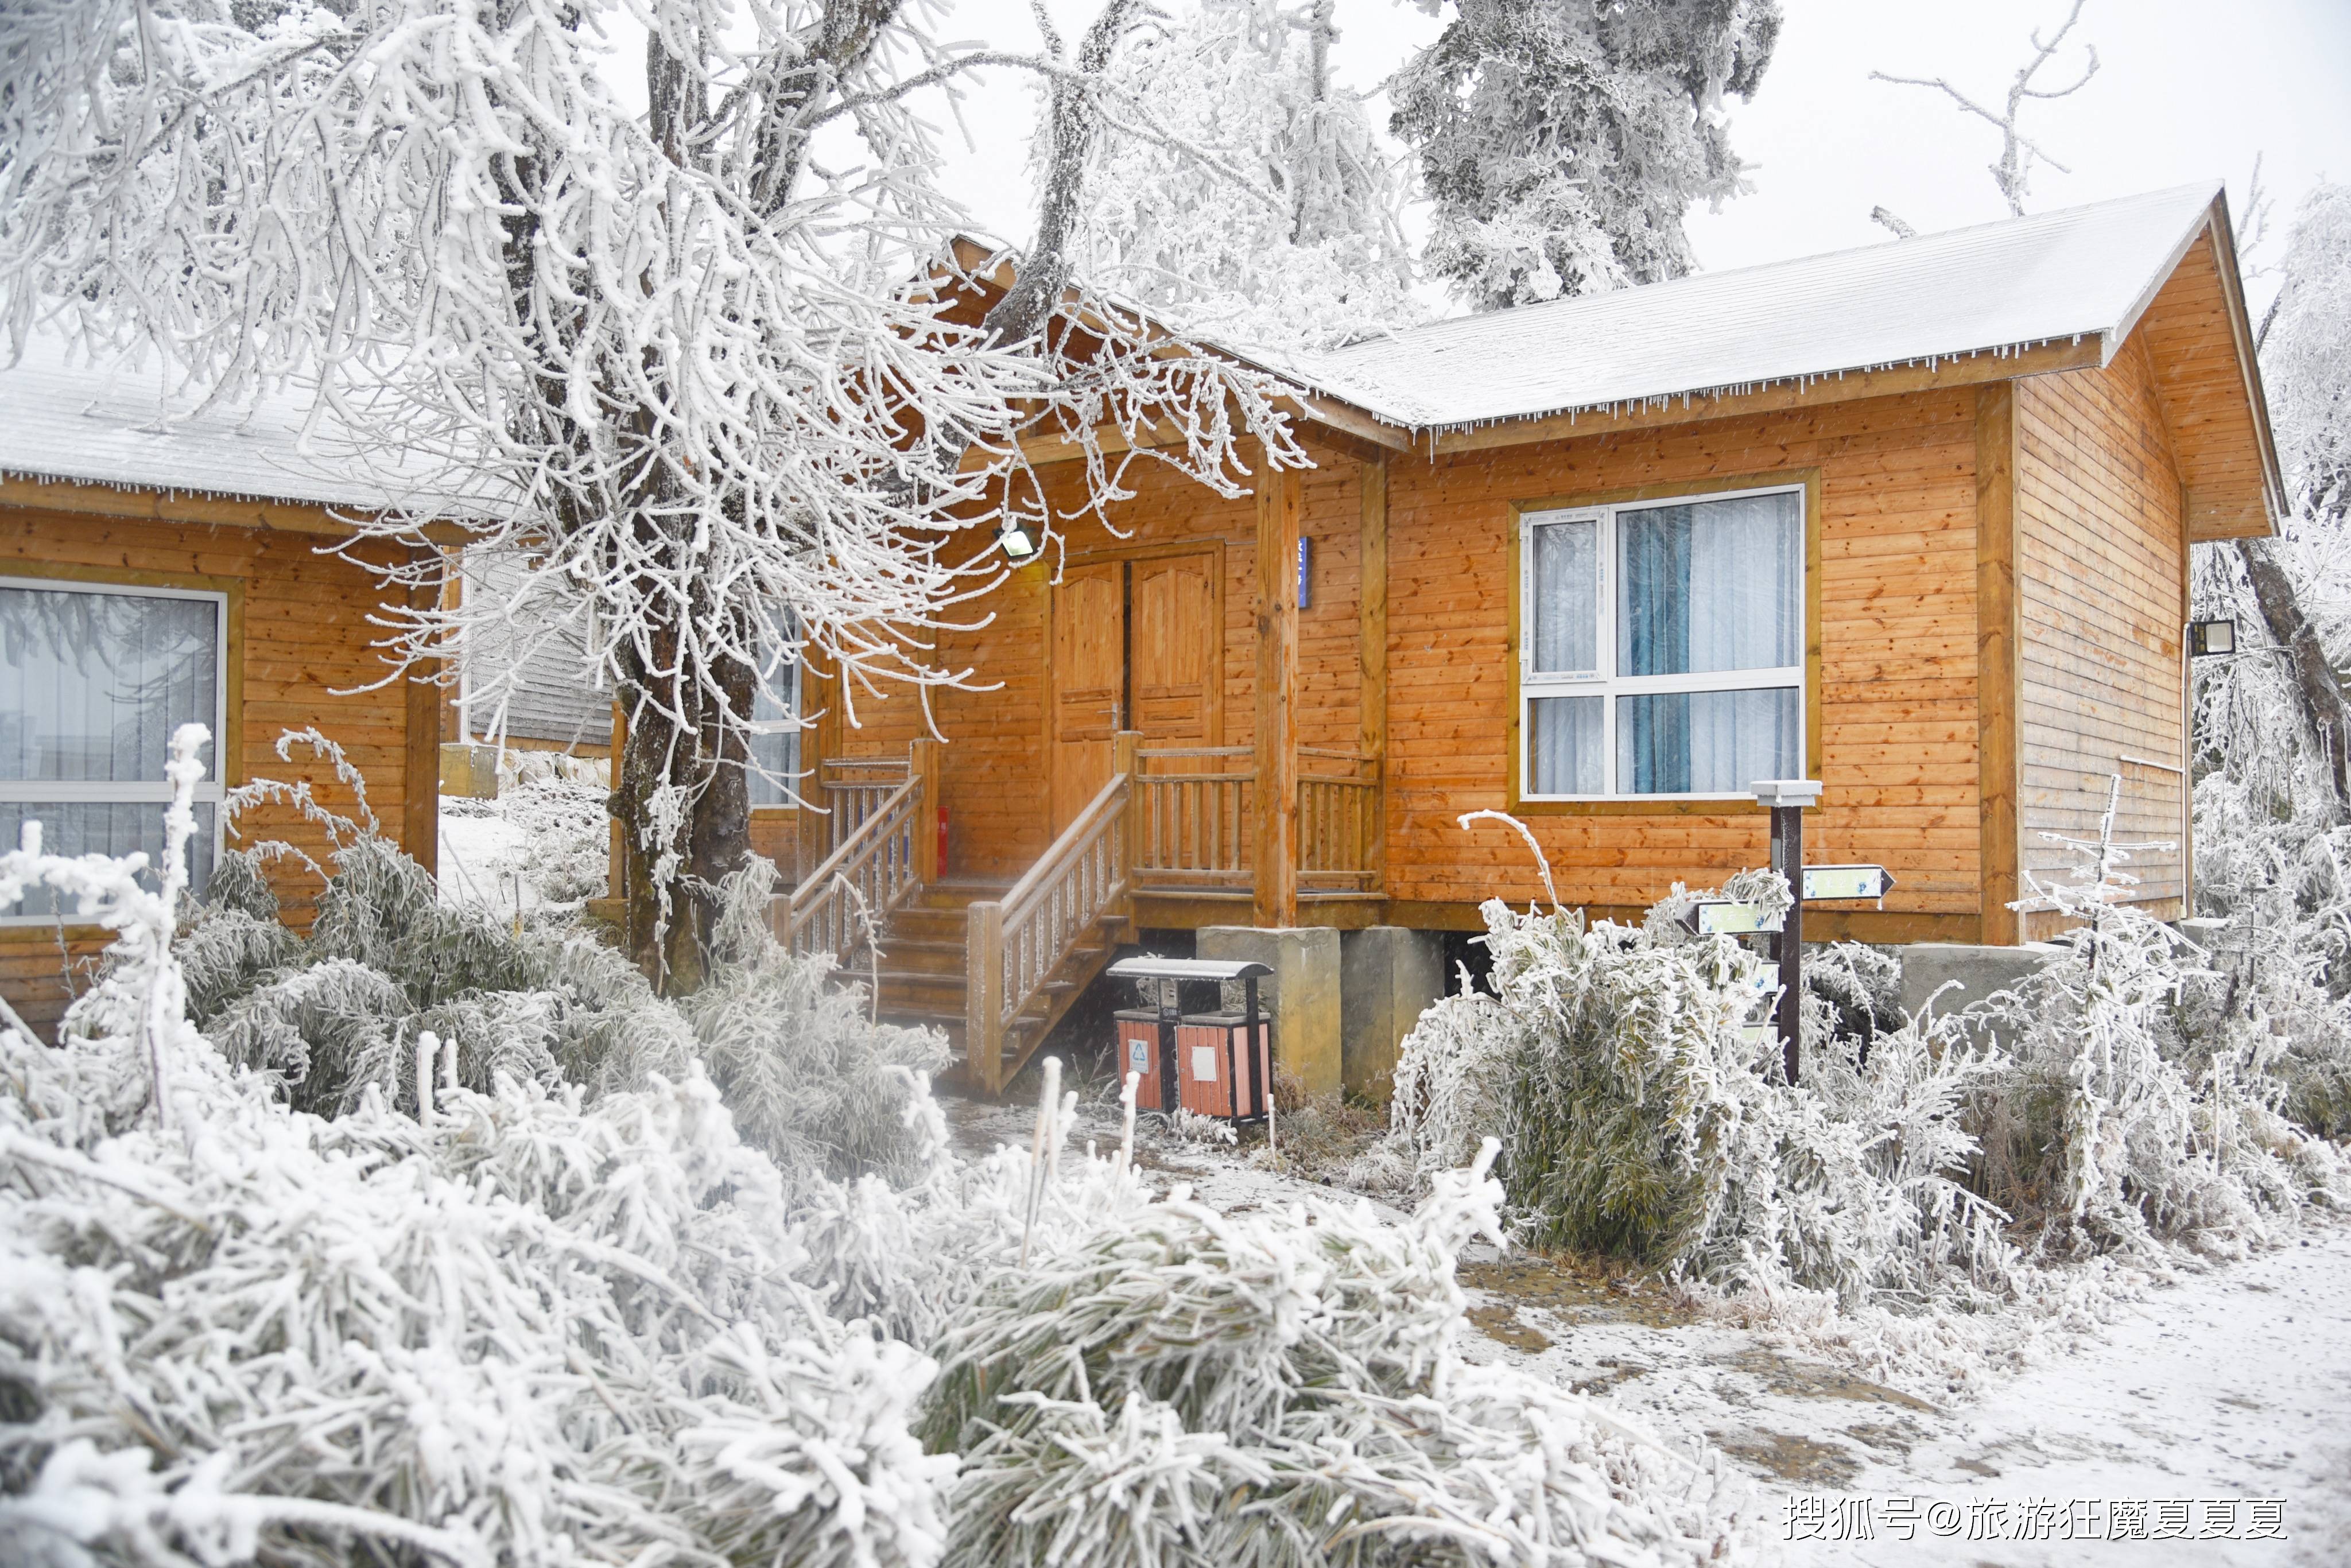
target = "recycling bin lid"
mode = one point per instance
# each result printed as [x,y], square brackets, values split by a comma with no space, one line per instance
[1146,967]
[1223,1021]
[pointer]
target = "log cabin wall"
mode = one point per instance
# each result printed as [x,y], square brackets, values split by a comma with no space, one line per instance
[997,778]
[2102,585]
[298,631]
[1897,748]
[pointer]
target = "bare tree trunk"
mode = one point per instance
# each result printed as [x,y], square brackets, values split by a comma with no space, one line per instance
[2317,694]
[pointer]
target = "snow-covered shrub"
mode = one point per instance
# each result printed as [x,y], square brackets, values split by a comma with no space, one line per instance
[1638,1116]
[525,1330]
[561,829]
[808,1074]
[512,1327]
[2146,1095]
[1187,1387]
[809,1077]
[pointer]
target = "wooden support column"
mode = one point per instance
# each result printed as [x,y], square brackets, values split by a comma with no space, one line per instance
[923,758]
[1276,802]
[1998,664]
[420,807]
[1372,704]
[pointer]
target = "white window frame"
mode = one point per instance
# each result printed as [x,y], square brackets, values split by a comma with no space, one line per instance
[1604,681]
[792,726]
[210,790]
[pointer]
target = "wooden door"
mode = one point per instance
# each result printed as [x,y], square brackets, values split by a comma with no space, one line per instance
[1174,672]
[1089,681]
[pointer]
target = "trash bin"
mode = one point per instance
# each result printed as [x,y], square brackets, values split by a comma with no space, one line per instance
[1220,1074]
[1198,1059]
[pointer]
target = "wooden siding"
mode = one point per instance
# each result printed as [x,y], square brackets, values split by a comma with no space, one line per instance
[995,770]
[298,631]
[2101,580]
[1898,638]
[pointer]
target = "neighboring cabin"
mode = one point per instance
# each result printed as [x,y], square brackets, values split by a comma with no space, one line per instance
[153,574]
[1912,520]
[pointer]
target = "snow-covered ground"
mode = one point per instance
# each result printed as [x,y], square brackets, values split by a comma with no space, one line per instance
[2233,1384]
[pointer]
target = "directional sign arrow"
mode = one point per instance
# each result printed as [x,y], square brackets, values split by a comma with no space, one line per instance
[1835,882]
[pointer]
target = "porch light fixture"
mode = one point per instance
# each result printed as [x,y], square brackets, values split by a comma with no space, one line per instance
[2212,637]
[1018,545]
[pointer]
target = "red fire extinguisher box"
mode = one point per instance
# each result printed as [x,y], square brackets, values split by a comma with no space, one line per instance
[1217,1072]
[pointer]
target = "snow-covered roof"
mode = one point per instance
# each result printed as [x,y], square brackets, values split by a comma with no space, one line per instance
[2071,274]
[62,417]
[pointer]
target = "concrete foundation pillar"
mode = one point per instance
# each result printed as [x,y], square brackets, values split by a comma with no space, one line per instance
[1302,993]
[1388,975]
[1929,967]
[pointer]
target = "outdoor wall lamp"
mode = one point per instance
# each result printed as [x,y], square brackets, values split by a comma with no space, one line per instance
[1018,545]
[2212,637]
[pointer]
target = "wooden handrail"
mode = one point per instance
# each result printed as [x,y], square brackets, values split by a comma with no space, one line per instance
[875,871]
[1014,945]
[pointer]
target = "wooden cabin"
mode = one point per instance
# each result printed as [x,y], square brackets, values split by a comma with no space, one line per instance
[155,572]
[1911,520]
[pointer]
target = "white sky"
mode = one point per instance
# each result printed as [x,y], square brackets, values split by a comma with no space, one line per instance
[2187,90]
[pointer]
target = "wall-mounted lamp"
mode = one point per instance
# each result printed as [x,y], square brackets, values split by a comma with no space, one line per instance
[1015,539]
[2205,637]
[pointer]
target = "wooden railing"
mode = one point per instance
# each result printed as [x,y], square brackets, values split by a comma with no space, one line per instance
[1014,947]
[1341,828]
[854,788]
[1193,807]
[879,862]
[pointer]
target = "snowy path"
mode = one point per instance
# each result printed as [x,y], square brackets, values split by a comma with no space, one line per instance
[2233,1384]
[2236,1384]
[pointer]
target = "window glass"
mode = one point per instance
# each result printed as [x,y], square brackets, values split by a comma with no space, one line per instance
[1564,751]
[1710,586]
[775,743]
[103,828]
[1566,589]
[92,685]
[1705,743]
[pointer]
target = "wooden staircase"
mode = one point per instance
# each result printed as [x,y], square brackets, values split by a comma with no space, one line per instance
[992,964]
[925,979]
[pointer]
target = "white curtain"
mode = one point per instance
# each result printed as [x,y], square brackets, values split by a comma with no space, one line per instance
[1567,597]
[1564,750]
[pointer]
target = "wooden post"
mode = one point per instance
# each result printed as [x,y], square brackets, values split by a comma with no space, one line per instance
[1998,672]
[1276,879]
[779,915]
[420,805]
[1788,860]
[1124,746]
[923,764]
[1373,705]
[983,994]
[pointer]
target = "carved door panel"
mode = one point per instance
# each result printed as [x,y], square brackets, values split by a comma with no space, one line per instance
[1089,681]
[1174,672]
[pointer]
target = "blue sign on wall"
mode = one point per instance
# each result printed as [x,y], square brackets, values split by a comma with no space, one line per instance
[1305,564]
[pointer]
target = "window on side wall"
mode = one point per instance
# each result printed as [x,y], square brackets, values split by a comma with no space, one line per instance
[93,680]
[775,733]
[1661,653]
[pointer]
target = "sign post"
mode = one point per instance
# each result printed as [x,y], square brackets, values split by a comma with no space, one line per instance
[1787,797]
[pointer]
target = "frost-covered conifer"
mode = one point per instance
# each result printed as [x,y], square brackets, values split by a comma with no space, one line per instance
[1562,142]
[1292,237]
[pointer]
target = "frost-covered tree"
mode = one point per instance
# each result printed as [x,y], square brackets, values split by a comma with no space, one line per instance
[1563,142]
[704,367]
[2018,152]
[2275,721]
[1292,233]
